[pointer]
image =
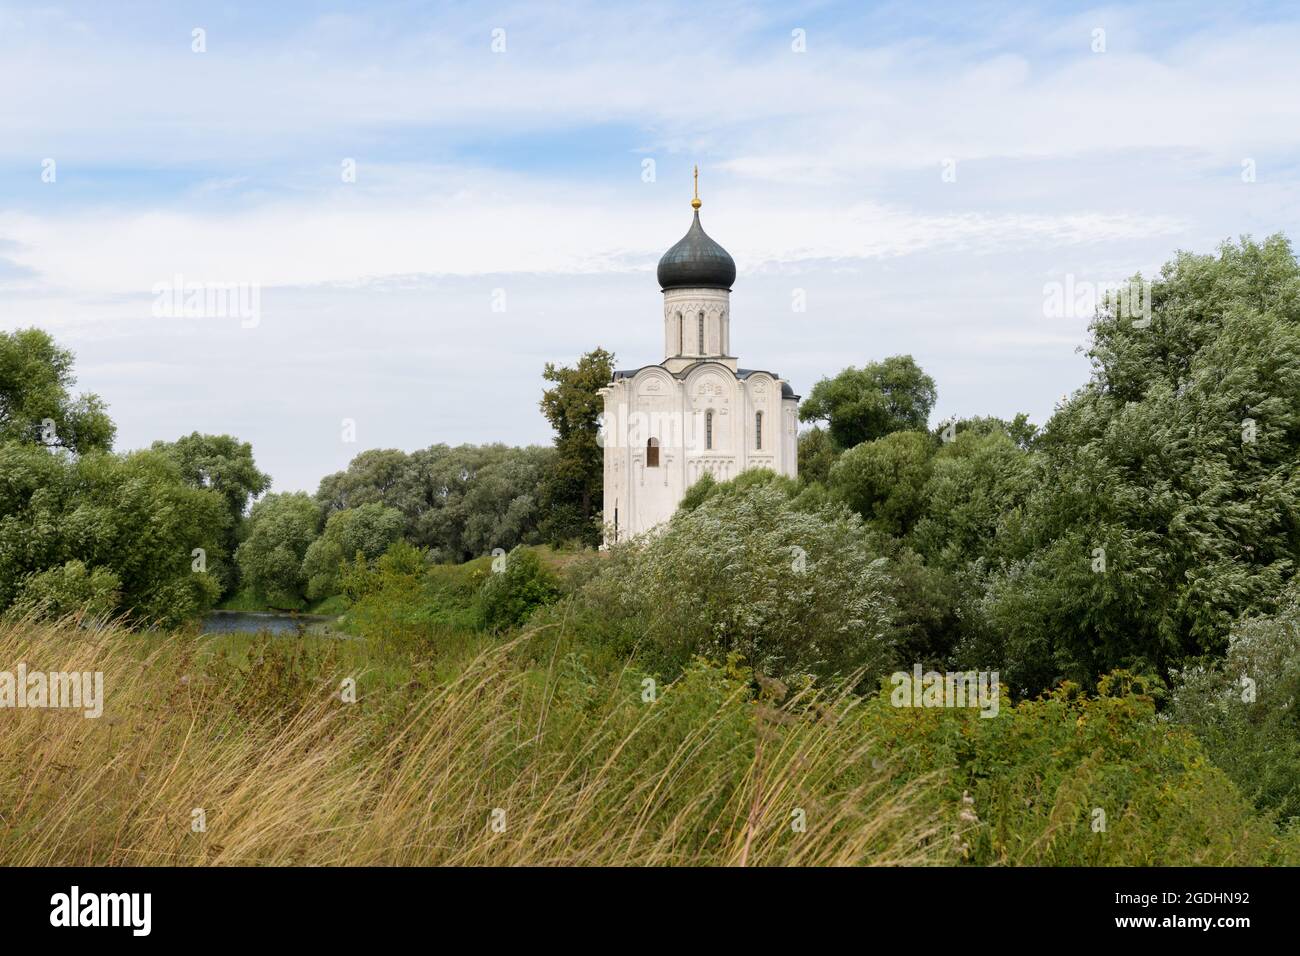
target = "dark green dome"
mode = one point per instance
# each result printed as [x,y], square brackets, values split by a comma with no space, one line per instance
[696,262]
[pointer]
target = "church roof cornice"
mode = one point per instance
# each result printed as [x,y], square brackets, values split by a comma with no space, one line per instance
[741,374]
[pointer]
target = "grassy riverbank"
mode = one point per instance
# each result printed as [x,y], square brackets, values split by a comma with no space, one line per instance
[535,747]
[249,602]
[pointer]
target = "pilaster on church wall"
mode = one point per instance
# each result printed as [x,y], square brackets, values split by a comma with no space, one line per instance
[790,435]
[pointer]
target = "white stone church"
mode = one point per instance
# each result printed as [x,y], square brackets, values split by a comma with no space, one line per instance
[697,411]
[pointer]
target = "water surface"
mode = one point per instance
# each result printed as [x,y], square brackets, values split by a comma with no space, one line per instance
[229,622]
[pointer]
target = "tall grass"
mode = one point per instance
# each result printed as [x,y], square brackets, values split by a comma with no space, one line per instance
[496,763]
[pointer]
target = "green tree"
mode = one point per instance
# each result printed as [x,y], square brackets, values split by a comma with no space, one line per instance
[82,525]
[1169,497]
[281,529]
[863,404]
[571,490]
[385,476]
[458,502]
[224,465]
[485,497]
[816,455]
[884,480]
[366,530]
[977,484]
[36,406]
[130,516]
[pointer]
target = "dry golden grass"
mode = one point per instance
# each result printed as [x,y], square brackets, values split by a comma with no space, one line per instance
[585,772]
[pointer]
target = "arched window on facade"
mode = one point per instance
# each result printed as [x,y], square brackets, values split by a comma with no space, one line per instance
[758,430]
[680,334]
[701,334]
[708,429]
[652,453]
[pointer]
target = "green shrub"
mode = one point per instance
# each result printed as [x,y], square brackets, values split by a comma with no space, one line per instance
[515,588]
[977,485]
[399,599]
[793,592]
[1072,780]
[884,480]
[698,493]
[1246,709]
[67,590]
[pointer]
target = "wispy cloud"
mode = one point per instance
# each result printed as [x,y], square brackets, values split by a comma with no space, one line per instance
[916,174]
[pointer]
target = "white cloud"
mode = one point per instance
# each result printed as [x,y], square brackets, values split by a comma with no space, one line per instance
[821,171]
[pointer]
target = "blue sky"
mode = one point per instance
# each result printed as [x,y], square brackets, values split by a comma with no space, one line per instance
[522,170]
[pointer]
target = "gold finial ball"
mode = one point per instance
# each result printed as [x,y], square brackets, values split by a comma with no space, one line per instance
[695,203]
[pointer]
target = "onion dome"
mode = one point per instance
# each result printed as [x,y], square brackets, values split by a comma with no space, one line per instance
[696,261]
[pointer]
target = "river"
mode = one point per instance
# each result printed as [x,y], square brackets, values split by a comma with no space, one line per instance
[229,622]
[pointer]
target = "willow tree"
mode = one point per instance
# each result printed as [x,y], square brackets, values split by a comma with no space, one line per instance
[1168,503]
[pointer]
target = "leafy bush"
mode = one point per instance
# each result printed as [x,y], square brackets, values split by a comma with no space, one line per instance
[884,480]
[67,590]
[976,487]
[1246,709]
[746,572]
[1073,780]
[510,595]
[400,599]
[698,493]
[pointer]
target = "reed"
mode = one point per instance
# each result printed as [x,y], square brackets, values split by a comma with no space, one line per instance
[498,763]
